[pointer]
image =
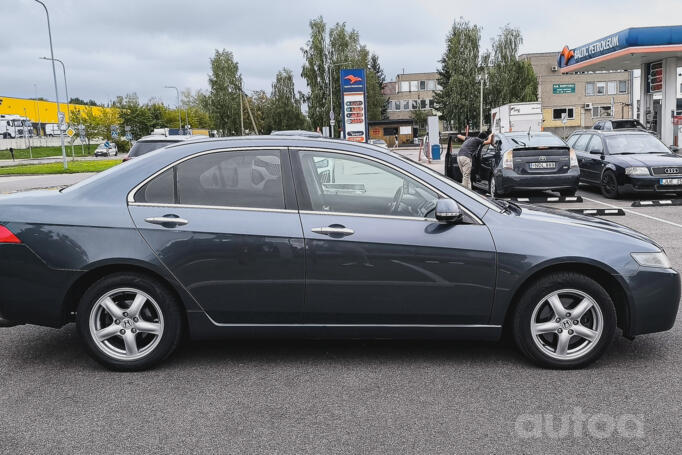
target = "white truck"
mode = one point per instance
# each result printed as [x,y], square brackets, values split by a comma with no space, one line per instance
[14,126]
[516,117]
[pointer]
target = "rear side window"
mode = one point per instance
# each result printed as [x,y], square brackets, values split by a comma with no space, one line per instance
[572,139]
[144,147]
[250,179]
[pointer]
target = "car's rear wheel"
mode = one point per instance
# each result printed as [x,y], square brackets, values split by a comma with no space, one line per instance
[129,321]
[609,185]
[565,320]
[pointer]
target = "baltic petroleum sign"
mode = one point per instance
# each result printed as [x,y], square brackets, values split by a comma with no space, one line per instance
[354,104]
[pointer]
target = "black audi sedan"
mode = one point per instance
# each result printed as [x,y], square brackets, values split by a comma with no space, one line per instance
[626,162]
[520,161]
[250,236]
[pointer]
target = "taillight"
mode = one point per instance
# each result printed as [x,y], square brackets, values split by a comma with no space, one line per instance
[508,159]
[6,236]
[574,158]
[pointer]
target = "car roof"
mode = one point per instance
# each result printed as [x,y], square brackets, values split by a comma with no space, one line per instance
[302,133]
[621,131]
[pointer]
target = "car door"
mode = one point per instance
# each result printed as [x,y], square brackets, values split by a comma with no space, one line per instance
[374,253]
[226,225]
[489,158]
[594,158]
[580,147]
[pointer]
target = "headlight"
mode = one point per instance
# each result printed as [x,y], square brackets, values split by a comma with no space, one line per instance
[637,170]
[508,159]
[574,159]
[658,260]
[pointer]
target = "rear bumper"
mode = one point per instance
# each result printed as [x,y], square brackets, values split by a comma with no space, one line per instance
[32,292]
[508,180]
[655,299]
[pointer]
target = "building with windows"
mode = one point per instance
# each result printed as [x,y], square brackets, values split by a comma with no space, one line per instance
[411,92]
[583,98]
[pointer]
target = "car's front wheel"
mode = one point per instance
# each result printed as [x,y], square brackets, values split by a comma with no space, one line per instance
[609,185]
[129,321]
[564,320]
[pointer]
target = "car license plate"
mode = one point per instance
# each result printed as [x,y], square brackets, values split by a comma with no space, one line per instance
[671,181]
[545,165]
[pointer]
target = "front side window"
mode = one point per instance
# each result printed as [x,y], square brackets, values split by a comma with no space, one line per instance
[361,186]
[581,142]
[250,179]
[596,145]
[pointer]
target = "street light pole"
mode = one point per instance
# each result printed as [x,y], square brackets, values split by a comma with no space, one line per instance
[177,92]
[330,68]
[54,76]
[68,100]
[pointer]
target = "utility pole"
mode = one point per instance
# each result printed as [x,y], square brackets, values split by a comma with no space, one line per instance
[177,92]
[28,137]
[241,107]
[56,88]
[68,100]
[330,67]
[40,126]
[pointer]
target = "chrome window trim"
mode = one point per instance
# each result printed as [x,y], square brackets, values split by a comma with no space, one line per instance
[131,194]
[392,166]
[217,207]
[363,215]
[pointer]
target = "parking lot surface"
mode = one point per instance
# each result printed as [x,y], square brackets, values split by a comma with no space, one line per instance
[246,396]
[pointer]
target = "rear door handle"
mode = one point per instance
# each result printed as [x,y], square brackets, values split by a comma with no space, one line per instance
[167,220]
[334,230]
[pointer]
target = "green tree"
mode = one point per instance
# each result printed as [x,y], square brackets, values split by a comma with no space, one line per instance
[508,80]
[222,101]
[329,51]
[86,117]
[134,115]
[458,100]
[283,109]
[377,103]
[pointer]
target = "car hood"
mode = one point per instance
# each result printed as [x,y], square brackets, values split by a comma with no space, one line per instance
[650,159]
[551,215]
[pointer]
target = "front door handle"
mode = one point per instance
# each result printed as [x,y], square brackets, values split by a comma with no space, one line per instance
[167,220]
[334,231]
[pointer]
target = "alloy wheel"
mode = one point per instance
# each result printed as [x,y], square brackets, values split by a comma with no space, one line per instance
[609,185]
[126,324]
[566,324]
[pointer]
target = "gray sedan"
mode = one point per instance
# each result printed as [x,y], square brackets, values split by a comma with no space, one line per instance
[292,236]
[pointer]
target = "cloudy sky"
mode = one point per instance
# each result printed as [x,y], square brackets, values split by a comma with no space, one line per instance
[123,46]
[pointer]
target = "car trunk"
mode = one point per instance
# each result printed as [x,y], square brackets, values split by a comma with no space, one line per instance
[541,160]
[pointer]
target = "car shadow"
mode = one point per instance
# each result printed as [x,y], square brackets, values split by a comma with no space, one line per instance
[61,348]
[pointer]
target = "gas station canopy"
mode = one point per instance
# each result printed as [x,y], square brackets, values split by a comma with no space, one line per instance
[627,49]
[657,53]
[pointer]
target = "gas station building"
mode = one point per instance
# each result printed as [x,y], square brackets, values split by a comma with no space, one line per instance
[657,53]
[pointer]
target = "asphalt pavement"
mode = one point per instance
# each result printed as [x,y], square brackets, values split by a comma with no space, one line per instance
[315,397]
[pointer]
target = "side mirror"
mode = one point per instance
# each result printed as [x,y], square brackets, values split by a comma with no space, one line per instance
[595,152]
[674,149]
[447,211]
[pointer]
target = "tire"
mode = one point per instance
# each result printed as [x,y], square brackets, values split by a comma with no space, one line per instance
[535,309]
[609,185]
[492,188]
[565,193]
[135,341]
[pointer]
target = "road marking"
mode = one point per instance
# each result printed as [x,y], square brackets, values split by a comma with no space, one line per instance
[634,213]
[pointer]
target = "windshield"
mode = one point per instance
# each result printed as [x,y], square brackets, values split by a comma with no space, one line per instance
[537,140]
[142,148]
[634,143]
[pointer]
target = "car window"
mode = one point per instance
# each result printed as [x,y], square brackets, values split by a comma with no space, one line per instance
[250,179]
[348,184]
[628,144]
[581,143]
[571,140]
[598,125]
[144,147]
[596,145]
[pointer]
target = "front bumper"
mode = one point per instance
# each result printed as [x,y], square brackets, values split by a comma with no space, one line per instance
[654,300]
[647,184]
[508,180]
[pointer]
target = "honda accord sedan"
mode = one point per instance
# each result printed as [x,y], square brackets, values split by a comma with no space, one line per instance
[245,237]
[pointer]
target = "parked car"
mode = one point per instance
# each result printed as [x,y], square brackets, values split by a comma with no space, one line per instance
[622,162]
[610,125]
[153,142]
[379,142]
[106,149]
[520,161]
[243,237]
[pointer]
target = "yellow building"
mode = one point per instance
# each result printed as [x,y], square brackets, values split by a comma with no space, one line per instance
[42,111]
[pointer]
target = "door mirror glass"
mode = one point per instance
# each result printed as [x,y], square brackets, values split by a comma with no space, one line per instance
[447,211]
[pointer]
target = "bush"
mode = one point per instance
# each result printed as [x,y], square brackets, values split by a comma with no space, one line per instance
[122,145]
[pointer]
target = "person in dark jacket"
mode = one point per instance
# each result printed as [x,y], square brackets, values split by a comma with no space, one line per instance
[470,146]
